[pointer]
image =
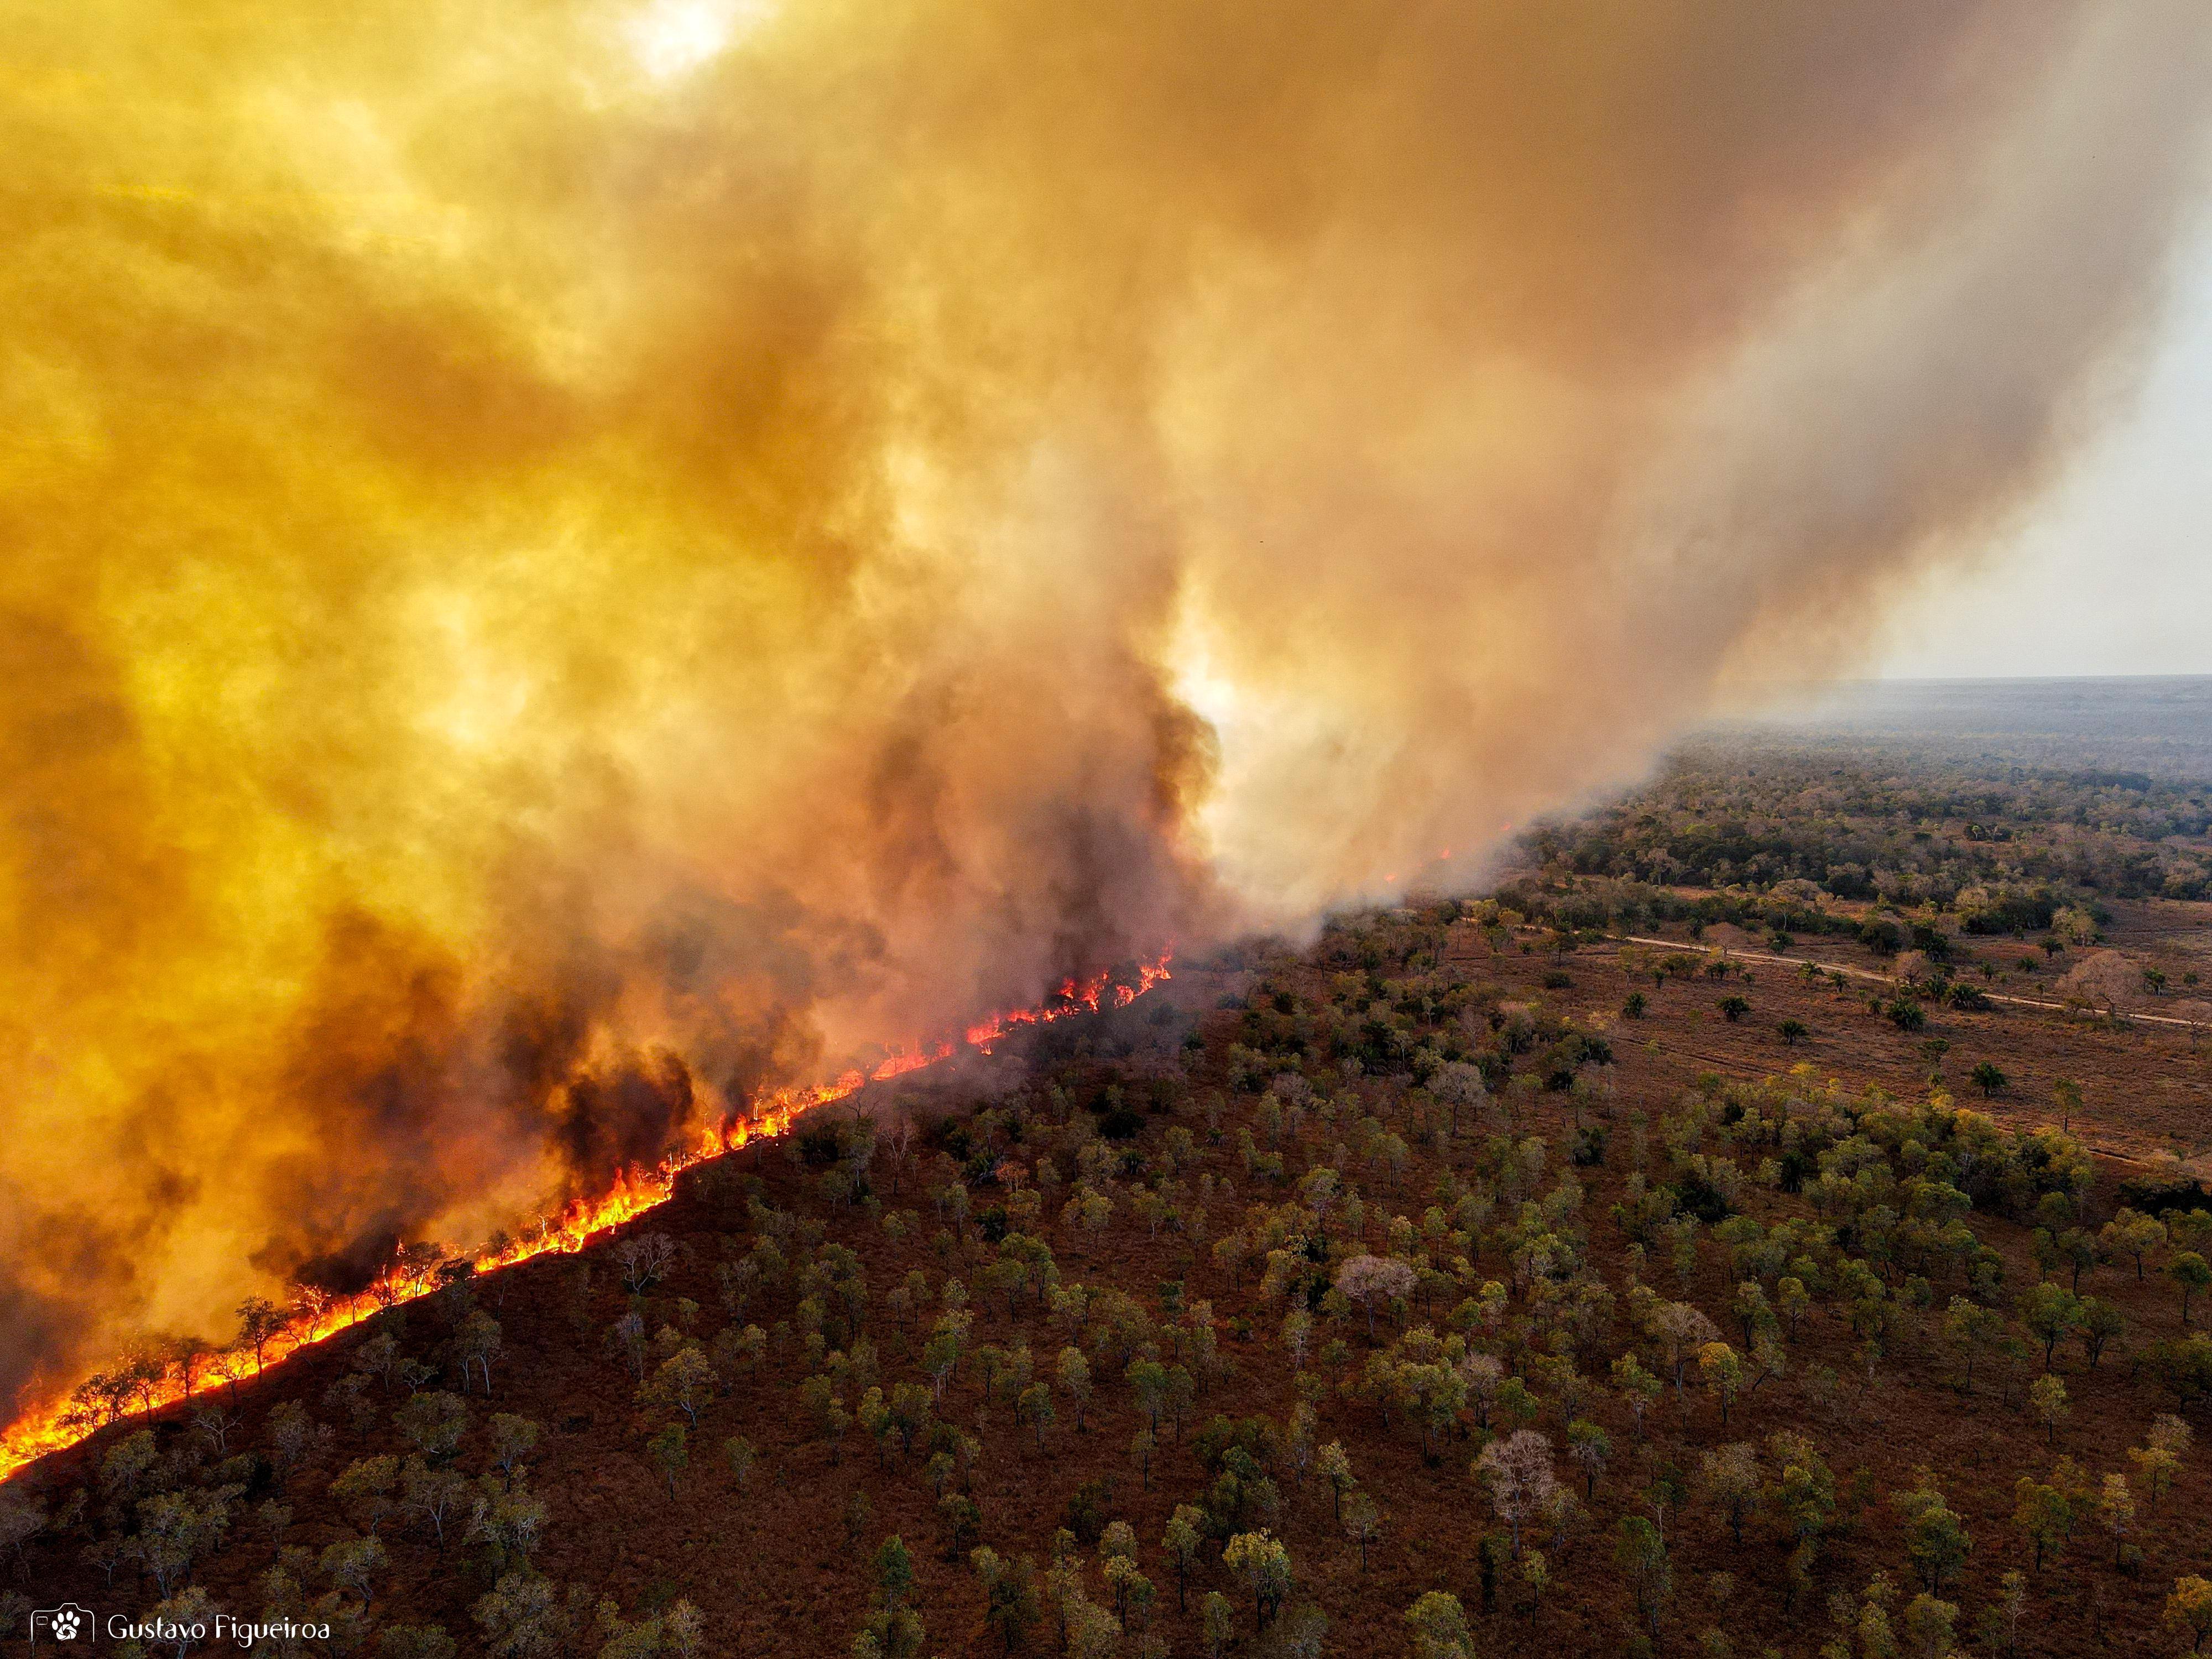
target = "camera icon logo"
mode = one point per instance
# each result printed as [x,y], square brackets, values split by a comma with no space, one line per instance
[66,1623]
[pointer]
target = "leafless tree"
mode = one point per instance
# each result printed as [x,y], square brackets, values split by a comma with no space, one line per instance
[1518,1470]
[898,1141]
[1730,1477]
[1368,1280]
[1483,1373]
[311,1303]
[477,1344]
[1460,1087]
[215,1425]
[189,1355]
[259,1322]
[644,1258]
[1681,1330]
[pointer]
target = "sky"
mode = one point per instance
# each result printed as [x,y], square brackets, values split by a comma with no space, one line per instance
[2110,573]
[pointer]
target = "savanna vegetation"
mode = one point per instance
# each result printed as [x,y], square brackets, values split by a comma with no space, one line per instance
[1729,1238]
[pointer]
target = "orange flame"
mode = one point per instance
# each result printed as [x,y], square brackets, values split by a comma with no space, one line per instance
[61,1424]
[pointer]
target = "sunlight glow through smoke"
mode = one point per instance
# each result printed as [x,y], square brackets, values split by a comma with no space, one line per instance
[672,37]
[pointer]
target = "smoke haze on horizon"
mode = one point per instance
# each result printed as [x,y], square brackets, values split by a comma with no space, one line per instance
[568,562]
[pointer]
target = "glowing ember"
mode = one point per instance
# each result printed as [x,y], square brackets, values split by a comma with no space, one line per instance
[140,1387]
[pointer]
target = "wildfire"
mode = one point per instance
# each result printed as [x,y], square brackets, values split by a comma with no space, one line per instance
[146,1386]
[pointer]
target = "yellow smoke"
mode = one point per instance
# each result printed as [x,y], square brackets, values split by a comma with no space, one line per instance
[540,537]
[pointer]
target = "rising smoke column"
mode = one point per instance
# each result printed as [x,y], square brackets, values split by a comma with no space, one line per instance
[568,561]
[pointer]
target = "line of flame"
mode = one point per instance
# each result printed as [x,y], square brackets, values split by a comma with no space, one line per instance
[58,1424]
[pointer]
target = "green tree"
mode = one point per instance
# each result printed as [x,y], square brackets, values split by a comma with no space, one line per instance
[1362,1524]
[2134,1235]
[1217,1623]
[123,1468]
[738,1452]
[1724,1374]
[512,1439]
[2067,1095]
[434,1423]
[2102,1324]
[859,1516]
[355,1563]
[1969,1331]
[1148,1382]
[2047,1398]
[1929,1623]
[1802,1490]
[184,1612]
[937,1471]
[436,1496]
[911,1413]
[2190,1271]
[877,1422]
[1010,1596]
[1729,1476]
[1142,1445]
[1034,1406]
[1132,1591]
[1433,1396]
[1590,1446]
[2051,1312]
[1936,1538]
[2158,1460]
[1440,1628]
[1075,1376]
[1264,1563]
[2076,1250]
[1186,1531]
[523,1616]
[2116,1511]
[1795,1301]
[175,1530]
[2001,1620]
[893,1629]
[1639,1388]
[1639,1552]
[2042,1515]
[667,1451]
[894,1568]
[962,1521]
[364,1492]
[2189,1610]
[1335,1467]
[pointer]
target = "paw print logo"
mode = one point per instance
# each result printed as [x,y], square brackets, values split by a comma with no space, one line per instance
[66,1623]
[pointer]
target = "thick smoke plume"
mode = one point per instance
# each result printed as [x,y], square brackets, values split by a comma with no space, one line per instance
[568,561]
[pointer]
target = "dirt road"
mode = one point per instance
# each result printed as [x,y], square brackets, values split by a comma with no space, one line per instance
[1888,979]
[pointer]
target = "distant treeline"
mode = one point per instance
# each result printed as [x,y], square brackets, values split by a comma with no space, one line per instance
[2005,849]
[1614,906]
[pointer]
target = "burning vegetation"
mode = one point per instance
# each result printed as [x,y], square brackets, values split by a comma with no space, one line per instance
[153,1379]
